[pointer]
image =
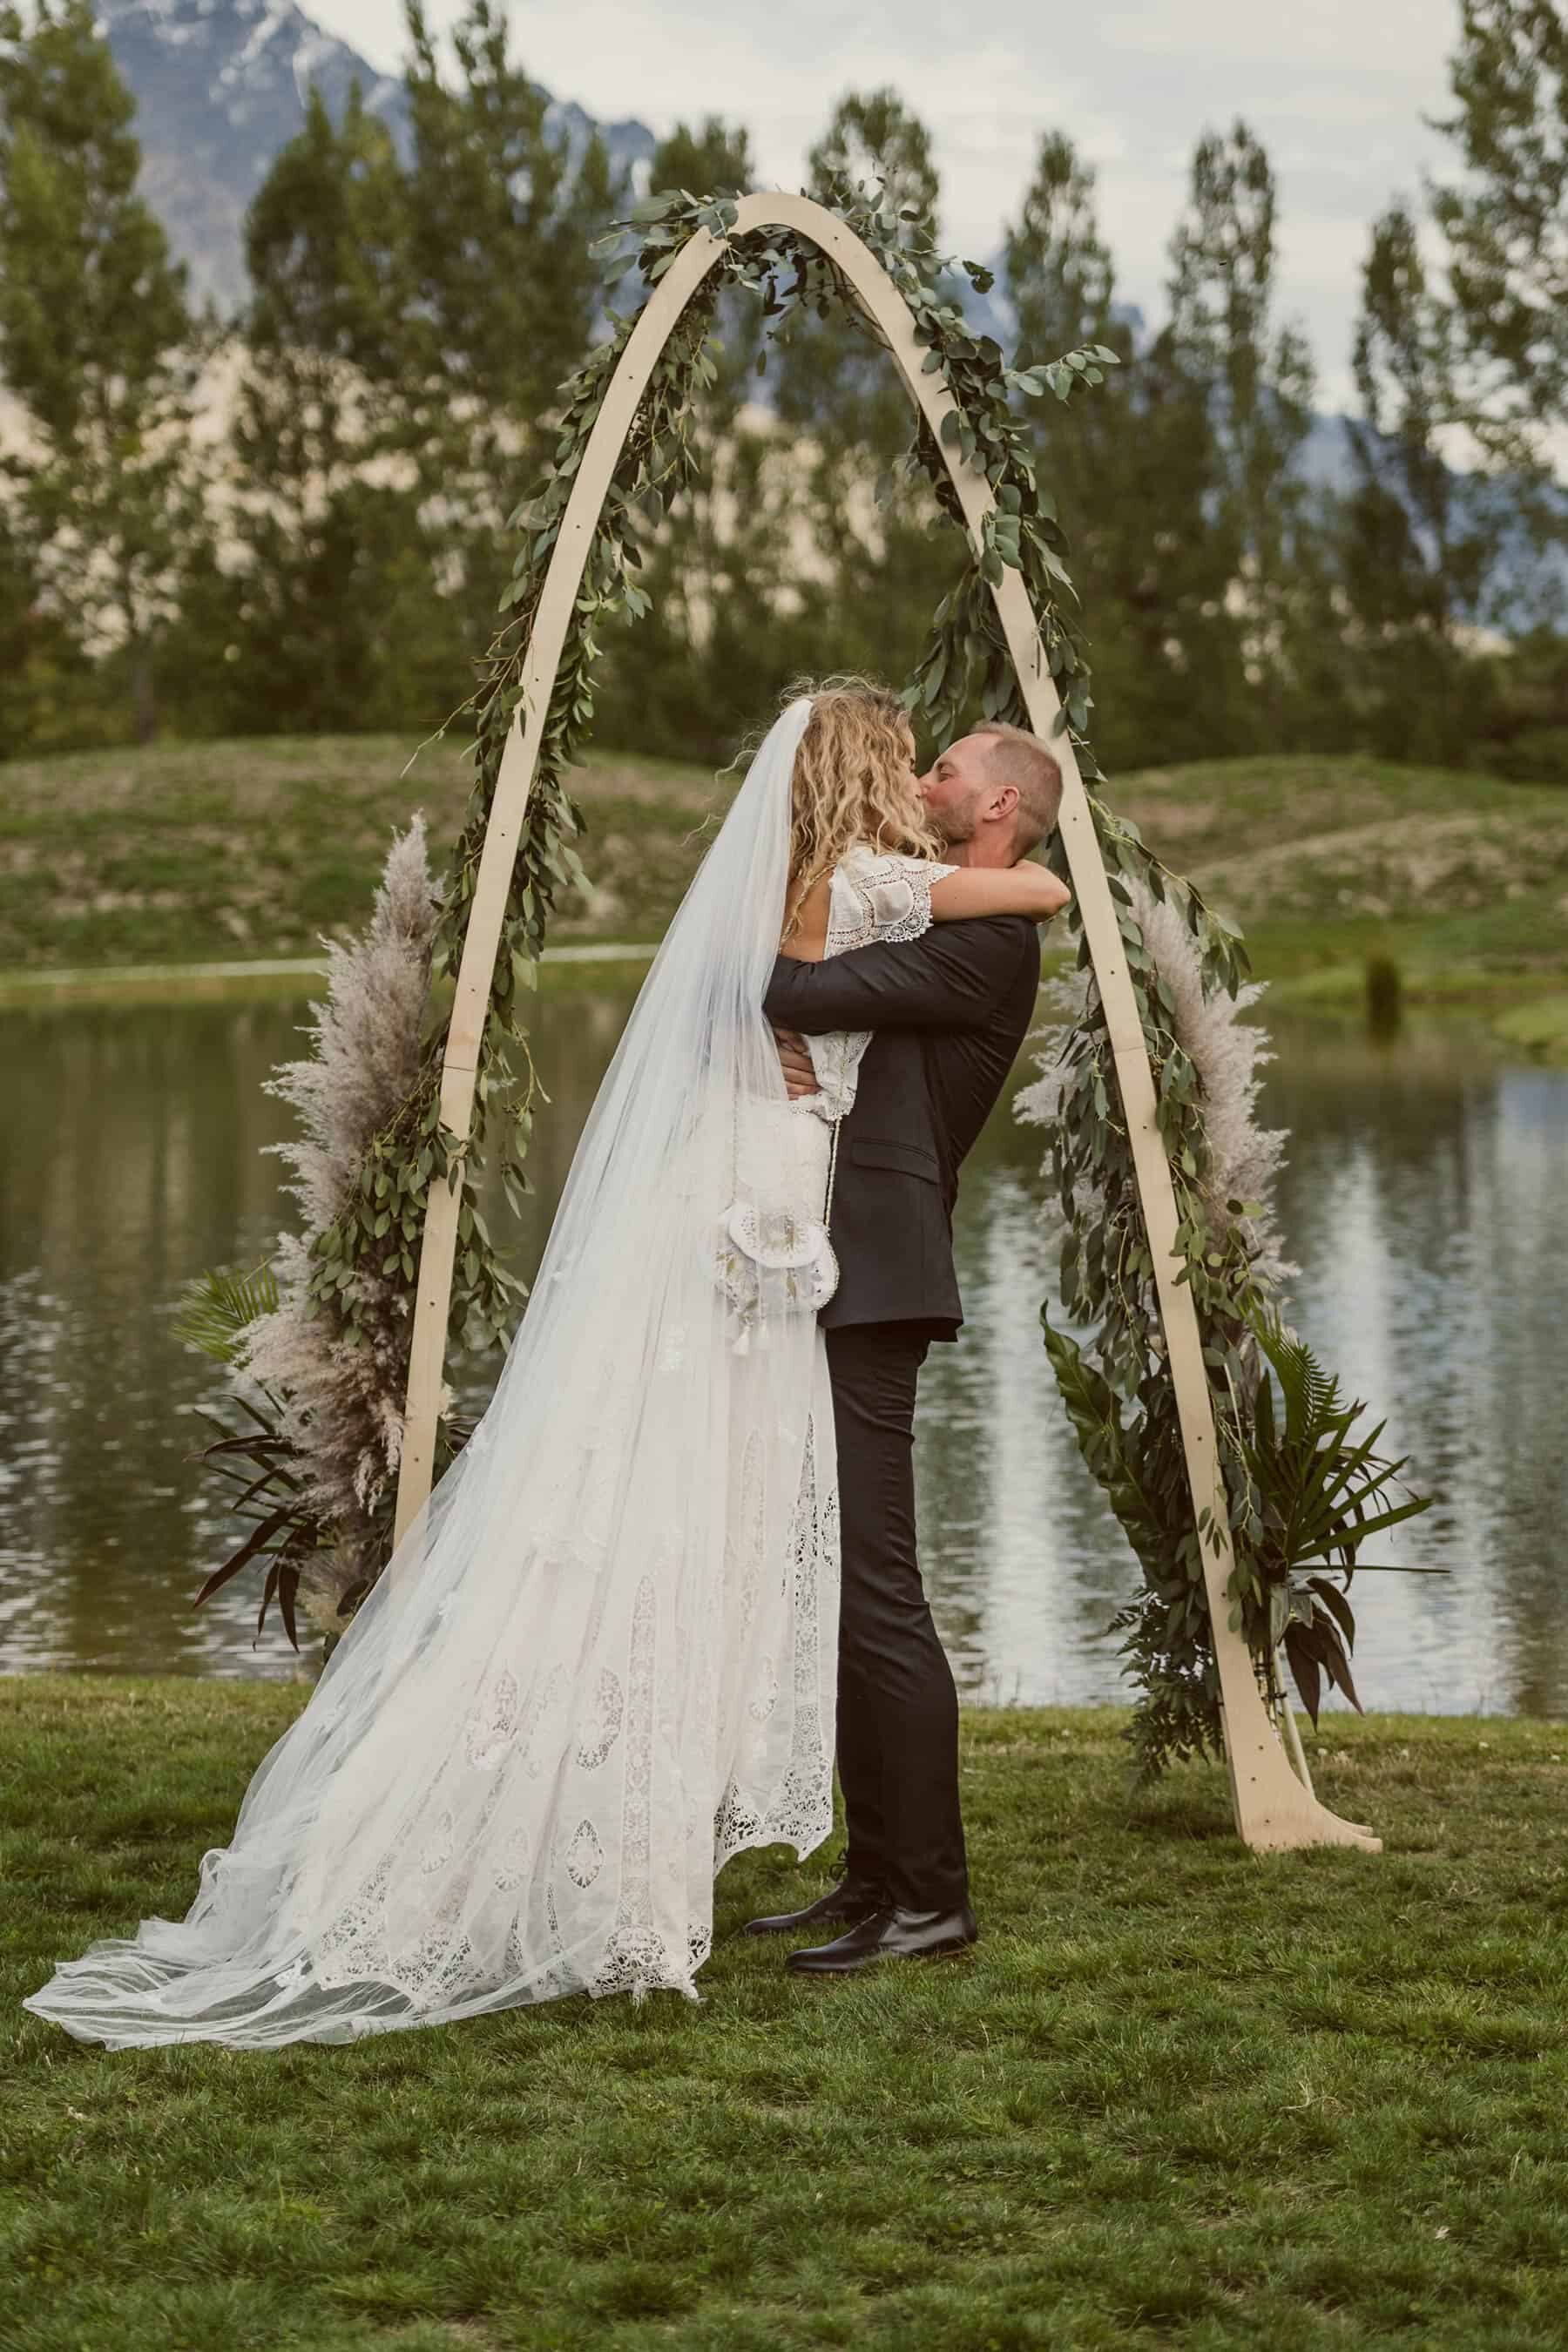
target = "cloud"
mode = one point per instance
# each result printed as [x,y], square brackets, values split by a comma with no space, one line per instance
[1335,88]
[1348,36]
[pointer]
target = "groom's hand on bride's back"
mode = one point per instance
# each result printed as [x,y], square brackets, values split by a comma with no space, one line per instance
[800,1077]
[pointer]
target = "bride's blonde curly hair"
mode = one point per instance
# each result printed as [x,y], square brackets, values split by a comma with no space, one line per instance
[852,781]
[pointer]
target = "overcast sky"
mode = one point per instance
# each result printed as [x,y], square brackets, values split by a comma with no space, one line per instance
[1335,88]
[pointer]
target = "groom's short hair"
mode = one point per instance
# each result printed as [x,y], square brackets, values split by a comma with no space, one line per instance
[1017,758]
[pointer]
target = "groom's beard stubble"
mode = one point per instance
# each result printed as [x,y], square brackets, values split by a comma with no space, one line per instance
[954,825]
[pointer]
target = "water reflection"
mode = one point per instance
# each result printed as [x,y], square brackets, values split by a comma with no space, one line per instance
[1424,1197]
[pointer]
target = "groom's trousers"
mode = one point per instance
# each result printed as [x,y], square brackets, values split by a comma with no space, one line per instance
[897,1708]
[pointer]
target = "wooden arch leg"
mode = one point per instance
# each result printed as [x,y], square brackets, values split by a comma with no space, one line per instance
[1273,1808]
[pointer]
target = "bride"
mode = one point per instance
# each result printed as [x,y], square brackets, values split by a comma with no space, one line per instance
[602,1660]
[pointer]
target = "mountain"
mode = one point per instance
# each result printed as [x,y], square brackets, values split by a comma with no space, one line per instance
[221,85]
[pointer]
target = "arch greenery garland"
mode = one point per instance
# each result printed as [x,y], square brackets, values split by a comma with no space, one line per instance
[1113,1378]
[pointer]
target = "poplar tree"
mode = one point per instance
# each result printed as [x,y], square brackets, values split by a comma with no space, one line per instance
[832,376]
[1420,538]
[724,633]
[1259,376]
[505,294]
[874,573]
[1505,223]
[41,707]
[331,619]
[1061,278]
[1131,474]
[98,345]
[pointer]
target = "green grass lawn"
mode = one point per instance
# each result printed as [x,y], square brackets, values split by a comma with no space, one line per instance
[252,848]
[1178,2095]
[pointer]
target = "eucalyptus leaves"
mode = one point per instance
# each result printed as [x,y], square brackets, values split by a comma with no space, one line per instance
[1114,1379]
[1302,1494]
[375,1238]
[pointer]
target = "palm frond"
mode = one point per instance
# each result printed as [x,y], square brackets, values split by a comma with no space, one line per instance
[220,1305]
[1321,1492]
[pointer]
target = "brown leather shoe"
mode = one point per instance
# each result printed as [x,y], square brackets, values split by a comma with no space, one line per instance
[852,1899]
[891,1934]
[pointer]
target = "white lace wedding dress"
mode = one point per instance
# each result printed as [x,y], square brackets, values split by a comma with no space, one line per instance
[604,1660]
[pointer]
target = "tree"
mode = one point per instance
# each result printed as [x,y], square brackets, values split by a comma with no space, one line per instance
[873,138]
[1419,539]
[832,378]
[1058,270]
[713,159]
[304,633]
[505,295]
[40,658]
[723,634]
[97,344]
[407,331]
[1506,226]
[1133,473]
[871,572]
[1261,380]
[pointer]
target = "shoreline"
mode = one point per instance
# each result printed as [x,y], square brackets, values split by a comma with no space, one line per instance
[1524,1010]
[221,867]
[278,975]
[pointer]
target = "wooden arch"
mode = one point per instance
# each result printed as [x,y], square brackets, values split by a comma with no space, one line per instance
[1274,1805]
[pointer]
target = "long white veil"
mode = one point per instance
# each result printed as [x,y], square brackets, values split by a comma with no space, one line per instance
[602,1659]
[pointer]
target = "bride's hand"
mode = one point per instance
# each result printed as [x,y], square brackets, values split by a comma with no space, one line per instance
[1023,890]
[800,1071]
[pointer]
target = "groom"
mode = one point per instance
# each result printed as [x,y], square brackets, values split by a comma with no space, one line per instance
[950,1011]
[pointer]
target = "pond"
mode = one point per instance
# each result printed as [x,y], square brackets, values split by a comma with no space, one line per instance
[1426,1198]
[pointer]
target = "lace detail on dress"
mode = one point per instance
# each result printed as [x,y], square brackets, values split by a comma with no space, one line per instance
[879,898]
[636,1960]
[801,1813]
[508,1784]
[606,1727]
[875,899]
[493,1726]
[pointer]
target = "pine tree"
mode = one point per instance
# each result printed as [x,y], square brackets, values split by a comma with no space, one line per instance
[1506,226]
[97,343]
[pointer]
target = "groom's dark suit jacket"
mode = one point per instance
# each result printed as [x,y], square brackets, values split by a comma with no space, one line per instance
[950,1011]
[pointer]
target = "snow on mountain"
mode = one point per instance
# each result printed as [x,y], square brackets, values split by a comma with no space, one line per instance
[221,85]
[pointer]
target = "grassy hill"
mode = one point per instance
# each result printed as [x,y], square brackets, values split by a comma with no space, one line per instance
[254,847]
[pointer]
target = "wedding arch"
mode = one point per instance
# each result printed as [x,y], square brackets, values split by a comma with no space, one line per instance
[636,388]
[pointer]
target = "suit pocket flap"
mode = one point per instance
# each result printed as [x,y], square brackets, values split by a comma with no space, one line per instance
[908,1158]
